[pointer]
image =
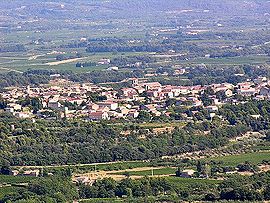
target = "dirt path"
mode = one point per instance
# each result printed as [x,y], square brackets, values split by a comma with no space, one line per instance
[64,61]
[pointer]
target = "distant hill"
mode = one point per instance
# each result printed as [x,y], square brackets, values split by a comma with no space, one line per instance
[84,8]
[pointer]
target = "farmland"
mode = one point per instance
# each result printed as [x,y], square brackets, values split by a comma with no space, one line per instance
[13,184]
[15,179]
[159,171]
[9,62]
[234,160]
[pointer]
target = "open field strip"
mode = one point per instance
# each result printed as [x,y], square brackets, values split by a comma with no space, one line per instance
[234,160]
[63,62]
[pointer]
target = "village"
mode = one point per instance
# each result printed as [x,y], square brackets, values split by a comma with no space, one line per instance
[65,99]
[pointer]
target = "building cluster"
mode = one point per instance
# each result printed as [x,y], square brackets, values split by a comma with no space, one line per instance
[72,100]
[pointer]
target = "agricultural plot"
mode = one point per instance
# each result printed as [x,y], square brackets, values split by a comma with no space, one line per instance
[47,61]
[162,171]
[253,60]
[185,183]
[8,184]
[15,179]
[234,160]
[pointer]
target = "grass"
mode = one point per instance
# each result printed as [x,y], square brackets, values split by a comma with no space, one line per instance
[9,61]
[8,182]
[253,59]
[15,179]
[102,166]
[191,183]
[123,165]
[262,146]
[186,181]
[163,171]
[234,160]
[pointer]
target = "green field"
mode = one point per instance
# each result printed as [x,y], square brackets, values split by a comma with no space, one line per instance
[253,60]
[100,166]
[122,165]
[234,160]
[15,179]
[9,183]
[12,62]
[163,171]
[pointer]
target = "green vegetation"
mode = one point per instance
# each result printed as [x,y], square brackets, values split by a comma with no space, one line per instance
[163,171]
[9,190]
[234,160]
[7,179]
[187,183]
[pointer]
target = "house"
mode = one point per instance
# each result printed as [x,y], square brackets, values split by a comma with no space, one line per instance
[16,107]
[167,93]
[104,61]
[82,180]
[124,110]
[255,116]
[195,101]
[179,71]
[228,93]
[245,85]
[116,114]
[103,109]
[151,93]
[139,89]
[265,91]
[260,80]
[77,101]
[10,110]
[14,172]
[99,115]
[156,113]
[151,85]
[22,114]
[134,81]
[149,107]
[93,106]
[114,68]
[133,113]
[110,104]
[128,91]
[211,108]
[187,173]
[54,104]
[247,91]
[34,173]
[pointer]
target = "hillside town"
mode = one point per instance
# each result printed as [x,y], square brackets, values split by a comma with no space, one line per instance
[66,99]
